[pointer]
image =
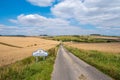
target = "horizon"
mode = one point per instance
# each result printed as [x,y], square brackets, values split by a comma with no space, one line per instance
[59,35]
[59,17]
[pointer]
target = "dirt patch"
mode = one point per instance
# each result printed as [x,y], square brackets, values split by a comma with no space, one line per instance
[82,77]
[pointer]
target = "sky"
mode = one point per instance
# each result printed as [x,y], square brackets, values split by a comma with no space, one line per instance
[60,17]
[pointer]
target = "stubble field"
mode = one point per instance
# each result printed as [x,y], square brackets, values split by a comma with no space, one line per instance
[104,47]
[17,48]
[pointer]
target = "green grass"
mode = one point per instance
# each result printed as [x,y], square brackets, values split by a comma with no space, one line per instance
[108,63]
[28,69]
[88,39]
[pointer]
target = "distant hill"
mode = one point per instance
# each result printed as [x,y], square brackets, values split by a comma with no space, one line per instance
[14,35]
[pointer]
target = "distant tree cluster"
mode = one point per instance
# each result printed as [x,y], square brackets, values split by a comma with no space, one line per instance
[43,35]
[14,35]
[95,34]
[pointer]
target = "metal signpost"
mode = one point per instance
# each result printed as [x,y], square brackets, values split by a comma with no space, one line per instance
[40,52]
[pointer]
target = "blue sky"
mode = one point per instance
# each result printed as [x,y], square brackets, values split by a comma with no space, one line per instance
[59,17]
[12,9]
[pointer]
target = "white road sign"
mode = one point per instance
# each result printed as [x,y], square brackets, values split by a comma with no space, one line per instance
[40,52]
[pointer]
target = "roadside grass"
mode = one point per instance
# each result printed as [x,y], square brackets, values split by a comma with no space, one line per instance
[28,69]
[109,63]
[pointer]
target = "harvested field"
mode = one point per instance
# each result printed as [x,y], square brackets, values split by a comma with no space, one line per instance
[104,47]
[17,48]
[105,37]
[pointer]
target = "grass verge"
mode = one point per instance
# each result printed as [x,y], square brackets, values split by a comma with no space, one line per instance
[106,62]
[28,69]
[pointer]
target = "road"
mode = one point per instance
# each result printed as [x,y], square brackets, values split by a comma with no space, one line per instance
[69,67]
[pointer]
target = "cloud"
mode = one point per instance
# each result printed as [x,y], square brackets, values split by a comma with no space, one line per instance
[35,24]
[38,20]
[8,30]
[16,30]
[68,30]
[42,3]
[100,13]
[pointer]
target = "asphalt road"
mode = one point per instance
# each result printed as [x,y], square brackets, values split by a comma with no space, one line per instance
[69,67]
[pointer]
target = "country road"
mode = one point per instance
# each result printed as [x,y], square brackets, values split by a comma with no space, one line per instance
[69,67]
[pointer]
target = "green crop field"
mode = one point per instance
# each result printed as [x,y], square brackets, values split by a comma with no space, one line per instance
[28,69]
[106,62]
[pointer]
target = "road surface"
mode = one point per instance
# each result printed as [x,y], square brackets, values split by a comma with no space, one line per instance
[69,67]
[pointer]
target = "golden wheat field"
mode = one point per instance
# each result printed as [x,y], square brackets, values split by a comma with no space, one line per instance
[105,37]
[17,48]
[104,47]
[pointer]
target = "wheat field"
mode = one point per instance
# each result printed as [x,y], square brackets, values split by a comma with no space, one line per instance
[104,47]
[13,49]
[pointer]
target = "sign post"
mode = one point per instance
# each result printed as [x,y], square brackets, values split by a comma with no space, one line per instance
[43,57]
[36,58]
[40,52]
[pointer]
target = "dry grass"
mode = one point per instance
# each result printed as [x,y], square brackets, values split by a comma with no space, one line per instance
[104,47]
[9,54]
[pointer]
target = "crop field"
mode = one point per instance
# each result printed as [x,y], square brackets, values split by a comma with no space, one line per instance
[104,47]
[107,37]
[87,39]
[17,48]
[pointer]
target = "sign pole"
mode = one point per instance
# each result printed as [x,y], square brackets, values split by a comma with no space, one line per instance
[43,57]
[36,58]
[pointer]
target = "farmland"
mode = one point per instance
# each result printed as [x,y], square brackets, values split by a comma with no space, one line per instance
[13,49]
[104,55]
[104,47]
[87,39]
[100,43]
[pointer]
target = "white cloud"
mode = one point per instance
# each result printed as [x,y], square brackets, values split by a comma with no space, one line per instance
[101,13]
[34,24]
[42,3]
[66,8]
[37,24]
[16,30]
[38,20]
[68,30]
